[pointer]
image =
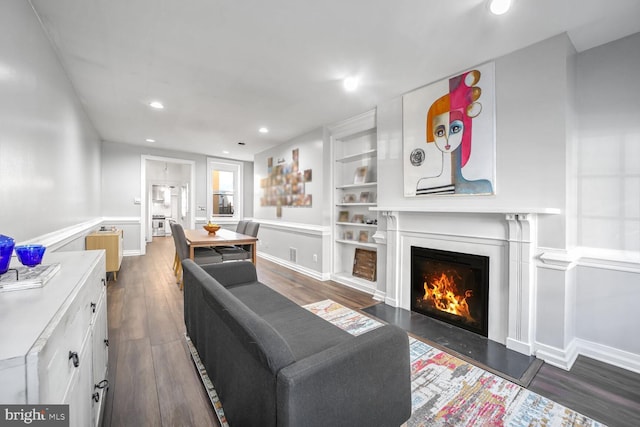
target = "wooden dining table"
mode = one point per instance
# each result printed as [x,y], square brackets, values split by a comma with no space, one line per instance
[223,237]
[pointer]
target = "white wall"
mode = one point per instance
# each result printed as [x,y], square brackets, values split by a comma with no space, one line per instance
[49,150]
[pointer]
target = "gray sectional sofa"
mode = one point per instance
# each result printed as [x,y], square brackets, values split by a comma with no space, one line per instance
[273,363]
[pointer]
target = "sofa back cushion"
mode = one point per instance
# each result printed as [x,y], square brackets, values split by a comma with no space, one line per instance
[258,337]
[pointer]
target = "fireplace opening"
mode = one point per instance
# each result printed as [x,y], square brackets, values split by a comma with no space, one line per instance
[452,287]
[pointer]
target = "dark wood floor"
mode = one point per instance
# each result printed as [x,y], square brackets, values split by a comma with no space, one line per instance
[153,381]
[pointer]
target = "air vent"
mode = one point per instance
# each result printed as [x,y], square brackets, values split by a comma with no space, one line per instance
[293,254]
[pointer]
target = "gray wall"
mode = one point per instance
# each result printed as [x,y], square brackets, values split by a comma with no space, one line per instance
[532,87]
[121,169]
[608,286]
[310,148]
[49,150]
[609,155]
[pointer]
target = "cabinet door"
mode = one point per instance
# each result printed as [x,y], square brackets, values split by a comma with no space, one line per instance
[79,395]
[100,360]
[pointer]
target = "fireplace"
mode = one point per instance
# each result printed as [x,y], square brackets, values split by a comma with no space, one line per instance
[452,287]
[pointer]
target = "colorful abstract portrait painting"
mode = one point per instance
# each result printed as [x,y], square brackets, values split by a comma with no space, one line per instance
[449,135]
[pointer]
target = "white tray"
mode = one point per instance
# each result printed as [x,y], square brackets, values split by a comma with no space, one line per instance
[27,277]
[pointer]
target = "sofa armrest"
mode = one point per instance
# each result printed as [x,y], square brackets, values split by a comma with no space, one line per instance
[232,273]
[363,381]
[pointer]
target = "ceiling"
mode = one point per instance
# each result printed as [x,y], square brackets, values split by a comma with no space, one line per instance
[224,68]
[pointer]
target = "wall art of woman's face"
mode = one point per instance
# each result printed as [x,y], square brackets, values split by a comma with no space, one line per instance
[448,129]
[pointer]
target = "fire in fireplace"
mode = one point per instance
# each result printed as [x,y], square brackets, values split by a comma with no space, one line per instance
[452,287]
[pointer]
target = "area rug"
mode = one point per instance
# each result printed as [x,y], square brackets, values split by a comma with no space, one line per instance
[447,391]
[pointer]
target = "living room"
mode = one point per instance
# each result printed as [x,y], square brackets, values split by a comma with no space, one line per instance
[563,225]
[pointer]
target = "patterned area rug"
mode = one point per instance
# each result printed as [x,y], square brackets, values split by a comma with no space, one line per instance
[447,391]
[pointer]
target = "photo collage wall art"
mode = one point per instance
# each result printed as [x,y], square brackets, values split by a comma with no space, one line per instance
[284,184]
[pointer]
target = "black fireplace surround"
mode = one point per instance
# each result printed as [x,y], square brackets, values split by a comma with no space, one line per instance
[452,287]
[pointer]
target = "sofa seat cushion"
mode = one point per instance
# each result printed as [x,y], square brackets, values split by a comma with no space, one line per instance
[304,332]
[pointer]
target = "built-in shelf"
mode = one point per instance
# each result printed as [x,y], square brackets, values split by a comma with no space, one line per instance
[359,156]
[467,209]
[364,184]
[356,243]
[357,224]
[355,204]
[354,179]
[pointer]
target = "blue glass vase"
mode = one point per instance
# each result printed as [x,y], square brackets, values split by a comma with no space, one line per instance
[6,250]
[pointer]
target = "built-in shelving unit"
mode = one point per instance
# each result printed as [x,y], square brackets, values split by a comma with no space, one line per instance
[354,151]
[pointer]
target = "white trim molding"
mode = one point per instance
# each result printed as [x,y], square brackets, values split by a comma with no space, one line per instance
[560,358]
[620,358]
[295,267]
[307,229]
[60,238]
[558,259]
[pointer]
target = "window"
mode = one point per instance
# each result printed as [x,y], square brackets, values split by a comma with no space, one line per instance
[224,182]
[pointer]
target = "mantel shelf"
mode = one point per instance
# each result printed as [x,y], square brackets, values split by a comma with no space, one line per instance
[451,209]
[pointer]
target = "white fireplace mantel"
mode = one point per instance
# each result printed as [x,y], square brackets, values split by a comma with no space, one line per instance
[508,236]
[465,209]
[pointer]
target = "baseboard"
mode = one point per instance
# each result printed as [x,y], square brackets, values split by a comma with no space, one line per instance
[612,356]
[132,252]
[519,346]
[295,267]
[379,295]
[560,358]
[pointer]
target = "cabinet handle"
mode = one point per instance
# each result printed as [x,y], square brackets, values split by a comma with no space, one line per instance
[104,282]
[93,307]
[102,384]
[96,397]
[73,356]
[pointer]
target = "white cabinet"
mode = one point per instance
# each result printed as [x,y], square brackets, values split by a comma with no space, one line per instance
[55,339]
[354,151]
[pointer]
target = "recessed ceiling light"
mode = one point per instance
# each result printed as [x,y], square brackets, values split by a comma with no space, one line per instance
[156,104]
[351,83]
[263,130]
[225,152]
[499,7]
[150,140]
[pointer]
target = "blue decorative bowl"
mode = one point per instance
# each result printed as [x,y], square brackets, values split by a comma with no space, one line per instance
[6,250]
[30,255]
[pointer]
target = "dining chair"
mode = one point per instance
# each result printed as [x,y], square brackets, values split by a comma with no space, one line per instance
[242,252]
[201,256]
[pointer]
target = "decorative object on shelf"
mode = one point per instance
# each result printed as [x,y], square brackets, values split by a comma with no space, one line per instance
[348,235]
[365,197]
[343,216]
[358,218]
[349,198]
[364,264]
[30,255]
[452,159]
[363,237]
[211,228]
[6,250]
[360,176]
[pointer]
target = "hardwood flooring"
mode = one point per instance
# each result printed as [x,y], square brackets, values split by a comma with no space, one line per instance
[153,381]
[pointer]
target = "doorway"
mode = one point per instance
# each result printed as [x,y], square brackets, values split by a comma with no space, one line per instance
[167,188]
